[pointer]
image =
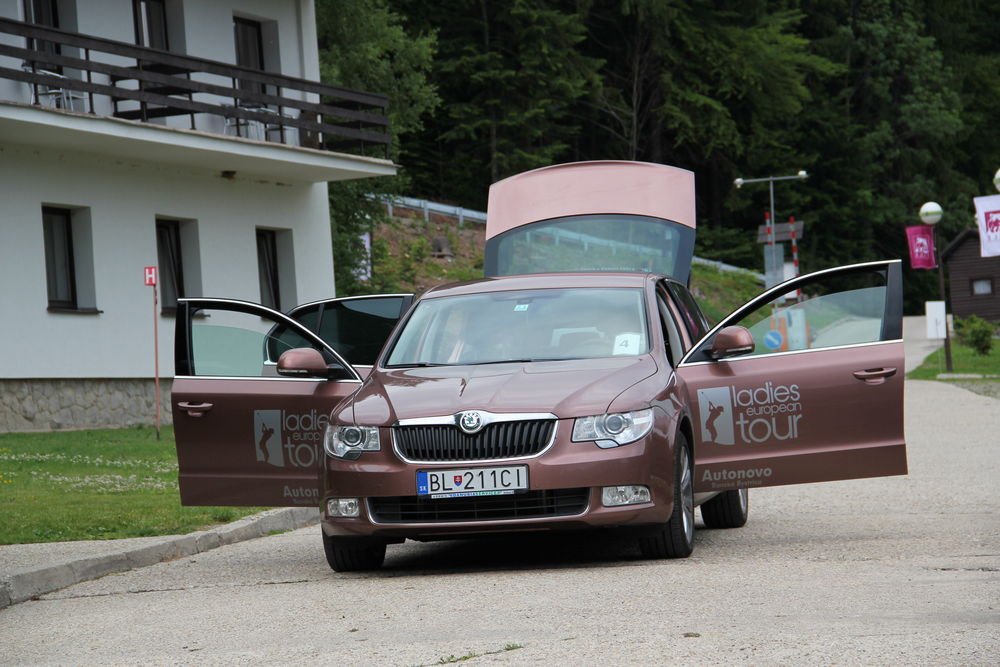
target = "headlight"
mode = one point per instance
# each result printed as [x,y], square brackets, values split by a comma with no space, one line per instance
[611,430]
[347,442]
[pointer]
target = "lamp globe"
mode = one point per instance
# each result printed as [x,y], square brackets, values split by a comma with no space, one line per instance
[930,213]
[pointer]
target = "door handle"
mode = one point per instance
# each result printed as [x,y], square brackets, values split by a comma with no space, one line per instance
[195,409]
[874,375]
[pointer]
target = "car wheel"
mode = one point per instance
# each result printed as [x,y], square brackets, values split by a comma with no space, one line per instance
[350,554]
[729,509]
[675,539]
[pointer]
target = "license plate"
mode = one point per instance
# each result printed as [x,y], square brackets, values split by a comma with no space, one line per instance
[464,482]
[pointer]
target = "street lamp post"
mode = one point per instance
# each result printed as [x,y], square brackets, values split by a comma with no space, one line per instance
[930,214]
[740,182]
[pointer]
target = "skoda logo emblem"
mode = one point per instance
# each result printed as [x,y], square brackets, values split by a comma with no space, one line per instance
[470,422]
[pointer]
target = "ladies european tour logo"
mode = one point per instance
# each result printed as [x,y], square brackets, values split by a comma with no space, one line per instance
[759,414]
[715,406]
[267,437]
[288,439]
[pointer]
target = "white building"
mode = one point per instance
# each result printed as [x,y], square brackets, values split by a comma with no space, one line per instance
[186,134]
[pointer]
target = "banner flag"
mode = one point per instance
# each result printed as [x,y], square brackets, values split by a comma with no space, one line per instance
[921,239]
[988,218]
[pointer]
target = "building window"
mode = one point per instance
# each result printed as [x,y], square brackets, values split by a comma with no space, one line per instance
[150,18]
[169,257]
[267,265]
[249,51]
[982,286]
[44,13]
[59,271]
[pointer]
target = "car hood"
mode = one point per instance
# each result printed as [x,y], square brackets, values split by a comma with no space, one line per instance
[564,388]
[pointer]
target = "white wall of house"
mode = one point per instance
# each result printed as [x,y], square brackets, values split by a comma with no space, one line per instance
[119,202]
[199,28]
[91,366]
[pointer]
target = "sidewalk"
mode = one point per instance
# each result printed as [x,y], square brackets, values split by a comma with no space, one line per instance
[915,343]
[30,570]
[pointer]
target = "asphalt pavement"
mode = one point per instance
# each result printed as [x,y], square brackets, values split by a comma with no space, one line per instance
[29,570]
[915,341]
[898,570]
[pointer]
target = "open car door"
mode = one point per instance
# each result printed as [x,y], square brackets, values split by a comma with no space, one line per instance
[245,434]
[818,396]
[356,326]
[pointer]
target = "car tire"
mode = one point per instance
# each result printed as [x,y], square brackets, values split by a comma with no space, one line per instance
[675,539]
[352,554]
[729,509]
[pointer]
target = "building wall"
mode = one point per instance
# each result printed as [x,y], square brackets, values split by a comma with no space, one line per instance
[74,370]
[196,28]
[120,203]
[965,265]
[49,405]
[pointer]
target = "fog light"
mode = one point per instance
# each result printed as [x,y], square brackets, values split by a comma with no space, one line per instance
[349,507]
[634,494]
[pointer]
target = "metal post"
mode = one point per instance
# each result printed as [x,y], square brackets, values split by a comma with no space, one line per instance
[156,356]
[795,253]
[90,93]
[740,182]
[944,298]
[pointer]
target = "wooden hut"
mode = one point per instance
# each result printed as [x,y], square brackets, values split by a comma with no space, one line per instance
[974,281]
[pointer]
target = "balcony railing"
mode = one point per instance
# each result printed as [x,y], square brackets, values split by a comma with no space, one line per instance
[106,77]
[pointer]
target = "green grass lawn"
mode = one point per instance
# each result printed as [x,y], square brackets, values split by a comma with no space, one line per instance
[83,485]
[721,292]
[964,360]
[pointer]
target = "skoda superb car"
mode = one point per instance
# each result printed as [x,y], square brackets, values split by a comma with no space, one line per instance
[533,401]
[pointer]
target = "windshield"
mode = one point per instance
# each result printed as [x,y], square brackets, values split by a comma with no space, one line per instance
[524,325]
[586,243]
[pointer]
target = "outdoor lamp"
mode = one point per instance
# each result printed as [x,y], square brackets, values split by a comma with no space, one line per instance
[930,213]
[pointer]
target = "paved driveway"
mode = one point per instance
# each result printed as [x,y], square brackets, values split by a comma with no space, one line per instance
[889,571]
[918,347]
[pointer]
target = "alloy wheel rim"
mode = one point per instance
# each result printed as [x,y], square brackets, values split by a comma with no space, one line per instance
[687,496]
[744,500]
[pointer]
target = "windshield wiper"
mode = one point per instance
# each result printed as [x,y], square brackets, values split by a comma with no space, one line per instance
[416,364]
[516,361]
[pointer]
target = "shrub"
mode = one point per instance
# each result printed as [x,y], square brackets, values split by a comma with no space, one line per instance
[975,332]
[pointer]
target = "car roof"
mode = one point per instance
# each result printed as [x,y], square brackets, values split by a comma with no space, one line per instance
[542,281]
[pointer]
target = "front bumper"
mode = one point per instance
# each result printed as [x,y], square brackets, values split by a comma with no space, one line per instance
[565,465]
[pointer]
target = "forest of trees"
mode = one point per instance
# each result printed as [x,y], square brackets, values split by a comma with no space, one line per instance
[886,103]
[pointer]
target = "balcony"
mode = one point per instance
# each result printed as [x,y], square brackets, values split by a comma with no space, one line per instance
[234,118]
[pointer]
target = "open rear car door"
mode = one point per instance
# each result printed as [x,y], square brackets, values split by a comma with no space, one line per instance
[245,434]
[816,395]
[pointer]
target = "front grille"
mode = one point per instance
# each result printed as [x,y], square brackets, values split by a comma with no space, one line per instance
[532,504]
[500,440]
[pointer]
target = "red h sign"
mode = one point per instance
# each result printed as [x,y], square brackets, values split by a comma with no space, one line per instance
[149,274]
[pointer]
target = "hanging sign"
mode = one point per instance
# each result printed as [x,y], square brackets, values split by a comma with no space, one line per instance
[988,218]
[921,240]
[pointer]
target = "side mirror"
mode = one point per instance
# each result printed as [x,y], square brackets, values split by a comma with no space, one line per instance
[302,362]
[731,341]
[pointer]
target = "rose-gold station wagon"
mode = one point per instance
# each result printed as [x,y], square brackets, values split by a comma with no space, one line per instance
[578,386]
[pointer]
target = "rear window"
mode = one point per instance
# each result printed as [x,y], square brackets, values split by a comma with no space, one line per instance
[587,243]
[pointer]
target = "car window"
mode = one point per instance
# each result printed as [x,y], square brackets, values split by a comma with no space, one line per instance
[358,328]
[307,316]
[694,320]
[524,325]
[673,344]
[235,344]
[604,242]
[833,311]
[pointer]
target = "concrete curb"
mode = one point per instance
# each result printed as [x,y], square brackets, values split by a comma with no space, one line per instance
[26,584]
